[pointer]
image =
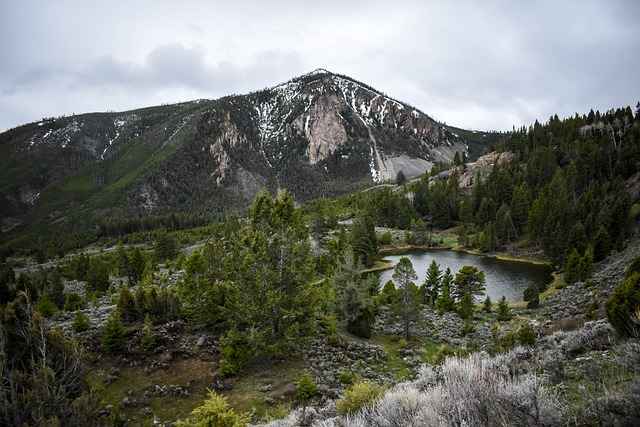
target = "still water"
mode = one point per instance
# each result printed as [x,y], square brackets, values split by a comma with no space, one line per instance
[508,278]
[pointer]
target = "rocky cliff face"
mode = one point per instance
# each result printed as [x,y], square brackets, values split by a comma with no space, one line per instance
[318,134]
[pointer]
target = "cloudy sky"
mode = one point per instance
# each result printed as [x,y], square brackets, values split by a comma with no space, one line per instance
[482,65]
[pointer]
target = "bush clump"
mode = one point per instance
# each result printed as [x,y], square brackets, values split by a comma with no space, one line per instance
[80,322]
[215,411]
[526,335]
[359,396]
[623,307]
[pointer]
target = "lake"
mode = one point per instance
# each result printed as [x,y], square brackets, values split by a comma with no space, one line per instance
[508,278]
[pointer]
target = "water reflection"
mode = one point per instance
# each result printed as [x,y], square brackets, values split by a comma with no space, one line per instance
[506,278]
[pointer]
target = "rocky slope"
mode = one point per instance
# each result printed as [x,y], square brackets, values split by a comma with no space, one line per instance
[318,134]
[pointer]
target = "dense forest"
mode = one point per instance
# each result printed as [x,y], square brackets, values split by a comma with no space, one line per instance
[266,285]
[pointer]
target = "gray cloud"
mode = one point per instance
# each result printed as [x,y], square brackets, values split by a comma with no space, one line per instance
[486,65]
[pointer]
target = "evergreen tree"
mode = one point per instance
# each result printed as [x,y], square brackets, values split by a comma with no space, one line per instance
[306,390]
[465,308]
[56,289]
[486,307]
[421,197]
[136,266]
[114,334]
[148,339]
[602,244]
[408,304]
[505,228]
[98,276]
[444,301]
[504,311]
[532,296]
[122,260]
[80,322]
[165,247]
[389,293]
[127,305]
[520,207]
[400,178]
[364,241]
[469,280]
[431,286]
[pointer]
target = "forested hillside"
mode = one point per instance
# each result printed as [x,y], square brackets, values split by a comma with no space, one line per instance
[318,135]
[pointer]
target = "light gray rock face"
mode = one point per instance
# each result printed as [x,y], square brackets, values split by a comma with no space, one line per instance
[410,167]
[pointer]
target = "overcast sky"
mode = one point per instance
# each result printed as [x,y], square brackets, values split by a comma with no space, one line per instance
[481,64]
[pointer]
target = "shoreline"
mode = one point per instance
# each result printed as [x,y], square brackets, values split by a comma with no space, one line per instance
[502,256]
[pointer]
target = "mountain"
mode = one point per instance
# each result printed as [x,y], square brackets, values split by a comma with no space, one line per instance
[319,134]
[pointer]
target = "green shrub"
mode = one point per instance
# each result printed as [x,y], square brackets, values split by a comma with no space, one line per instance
[358,396]
[634,267]
[526,335]
[444,351]
[386,238]
[73,302]
[306,389]
[235,351]
[214,412]
[347,377]
[46,307]
[623,307]
[80,322]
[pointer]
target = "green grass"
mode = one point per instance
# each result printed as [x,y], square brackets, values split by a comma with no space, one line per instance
[247,397]
[394,364]
[181,372]
[557,284]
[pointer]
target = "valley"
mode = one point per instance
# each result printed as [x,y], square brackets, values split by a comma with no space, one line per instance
[318,253]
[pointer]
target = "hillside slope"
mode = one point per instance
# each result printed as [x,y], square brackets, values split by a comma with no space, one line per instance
[319,134]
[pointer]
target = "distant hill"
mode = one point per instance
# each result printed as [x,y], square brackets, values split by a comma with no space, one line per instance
[319,134]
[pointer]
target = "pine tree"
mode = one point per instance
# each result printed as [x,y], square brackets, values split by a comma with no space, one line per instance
[364,241]
[532,296]
[504,311]
[136,266]
[469,280]
[56,289]
[602,244]
[505,229]
[148,339]
[306,390]
[572,267]
[80,322]
[400,178]
[98,276]
[444,301]
[389,293]
[122,260]
[486,307]
[520,207]
[126,305]
[166,247]
[407,305]
[465,308]
[431,286]
[113,335]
